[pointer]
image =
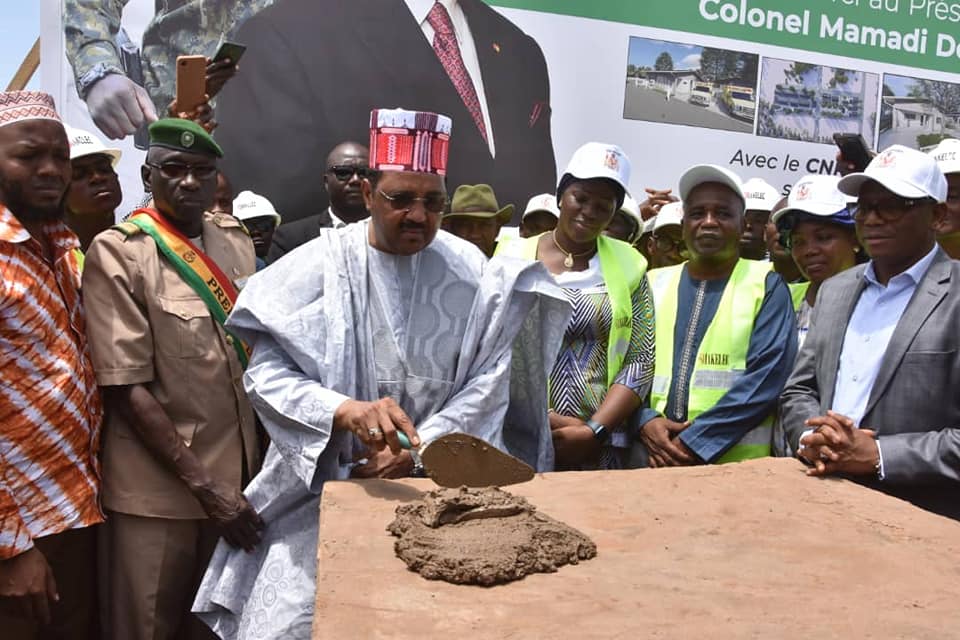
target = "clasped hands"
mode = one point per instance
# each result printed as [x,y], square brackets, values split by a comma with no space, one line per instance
[664,447]
[837,446]
[376,425]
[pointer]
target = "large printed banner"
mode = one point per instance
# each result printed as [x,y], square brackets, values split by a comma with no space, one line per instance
[759,86]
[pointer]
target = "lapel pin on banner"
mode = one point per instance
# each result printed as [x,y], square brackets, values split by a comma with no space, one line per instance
[496,47]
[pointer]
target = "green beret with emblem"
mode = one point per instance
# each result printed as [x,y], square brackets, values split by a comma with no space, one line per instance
[183,135]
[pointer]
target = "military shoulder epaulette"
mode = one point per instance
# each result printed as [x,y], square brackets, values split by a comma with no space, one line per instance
[226,221]
[127,228]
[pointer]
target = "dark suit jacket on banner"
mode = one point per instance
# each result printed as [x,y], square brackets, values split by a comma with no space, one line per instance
[289,236]
[315,68]
[915,403]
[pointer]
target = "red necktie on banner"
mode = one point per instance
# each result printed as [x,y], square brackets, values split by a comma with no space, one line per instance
[448,51]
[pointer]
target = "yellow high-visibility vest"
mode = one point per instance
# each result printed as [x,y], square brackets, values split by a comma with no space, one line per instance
[798,291]
[722,356]
[623,268]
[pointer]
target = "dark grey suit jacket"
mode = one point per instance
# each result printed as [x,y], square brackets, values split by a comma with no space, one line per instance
[291,235]
[915,403]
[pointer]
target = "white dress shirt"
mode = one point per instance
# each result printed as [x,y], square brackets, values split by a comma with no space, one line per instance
[468,50]
[871,326]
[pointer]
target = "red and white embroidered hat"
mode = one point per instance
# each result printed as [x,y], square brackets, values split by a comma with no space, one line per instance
[17,106]
[402,140]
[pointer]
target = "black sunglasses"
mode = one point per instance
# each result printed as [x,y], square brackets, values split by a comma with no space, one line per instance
[344,172]
[179,170]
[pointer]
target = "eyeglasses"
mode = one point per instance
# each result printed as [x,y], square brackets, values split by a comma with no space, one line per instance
[343,173]
[404,201]
[888,210]
[179,171]
[665,243]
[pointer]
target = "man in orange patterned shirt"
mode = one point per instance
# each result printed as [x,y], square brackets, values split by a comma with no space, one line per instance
[50,410]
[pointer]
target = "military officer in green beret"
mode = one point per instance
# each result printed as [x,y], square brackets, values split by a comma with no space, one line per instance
[180,440]
[476,217]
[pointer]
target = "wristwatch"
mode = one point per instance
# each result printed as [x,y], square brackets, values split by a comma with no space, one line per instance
[600,432]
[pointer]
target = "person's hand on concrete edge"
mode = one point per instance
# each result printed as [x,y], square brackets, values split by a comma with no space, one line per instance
[574,443]
[659,437]
[837,446]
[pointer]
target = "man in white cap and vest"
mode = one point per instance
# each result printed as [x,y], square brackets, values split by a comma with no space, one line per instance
[874,392]
[666,245]
[947,155]
[94,192]
[760,197]
[50,410]
[384,326]
[261,220]
[726,336]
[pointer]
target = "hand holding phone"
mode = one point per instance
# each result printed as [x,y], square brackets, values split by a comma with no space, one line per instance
[854,152]
[191,83]
[229,51]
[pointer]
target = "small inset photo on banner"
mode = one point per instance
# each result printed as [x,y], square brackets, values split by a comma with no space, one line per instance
[809,102]
[687,84]
[918,113]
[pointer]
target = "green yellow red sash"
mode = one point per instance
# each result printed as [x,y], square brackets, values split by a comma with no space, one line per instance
[196,268]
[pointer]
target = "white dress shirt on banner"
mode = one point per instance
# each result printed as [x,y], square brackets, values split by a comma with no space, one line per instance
[468,50]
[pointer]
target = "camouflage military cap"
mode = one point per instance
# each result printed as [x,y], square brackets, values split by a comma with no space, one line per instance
[183,135]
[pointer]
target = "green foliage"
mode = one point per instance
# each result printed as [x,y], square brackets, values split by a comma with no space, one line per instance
[664,62]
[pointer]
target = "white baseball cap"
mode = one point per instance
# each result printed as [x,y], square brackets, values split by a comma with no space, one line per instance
[600,160]
[632,211]
[670,214]
[904,171]
[947,155]
[649,225]
[83,143]
[760,195]
[704,173]
[248,205]
[815,195]
[543,202]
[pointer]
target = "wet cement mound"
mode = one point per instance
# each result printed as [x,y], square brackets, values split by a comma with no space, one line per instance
[483,536]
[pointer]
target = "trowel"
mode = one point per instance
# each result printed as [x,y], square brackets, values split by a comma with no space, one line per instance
[459,459]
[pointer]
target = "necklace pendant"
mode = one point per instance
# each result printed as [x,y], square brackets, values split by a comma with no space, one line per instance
[568,261]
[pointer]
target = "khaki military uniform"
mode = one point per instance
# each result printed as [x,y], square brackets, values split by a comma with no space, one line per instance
[147,326]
